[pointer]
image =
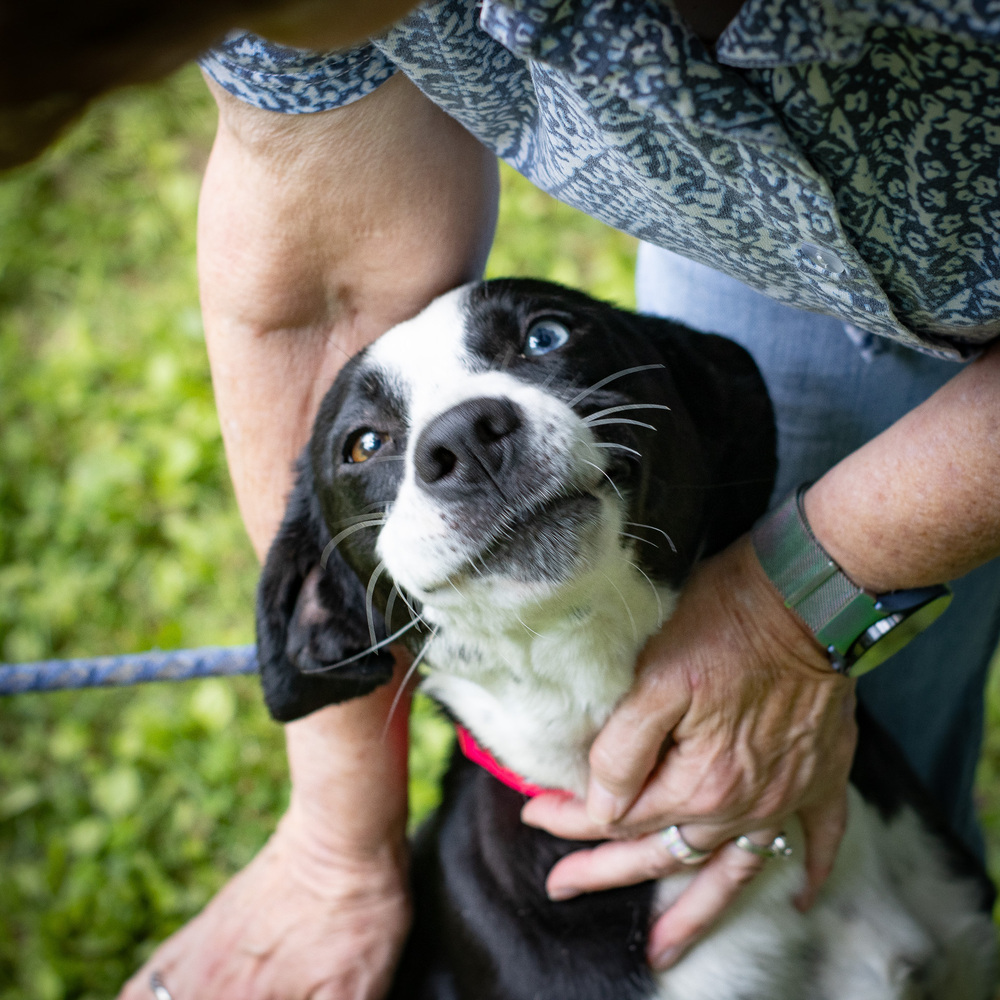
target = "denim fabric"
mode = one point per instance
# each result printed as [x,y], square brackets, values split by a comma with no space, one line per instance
[832,394]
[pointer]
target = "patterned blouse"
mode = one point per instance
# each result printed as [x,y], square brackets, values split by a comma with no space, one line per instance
[842,156]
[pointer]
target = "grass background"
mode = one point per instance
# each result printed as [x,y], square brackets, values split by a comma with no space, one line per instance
[121,812]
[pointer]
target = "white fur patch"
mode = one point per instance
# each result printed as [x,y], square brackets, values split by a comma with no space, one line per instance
[891,923]
[426,360]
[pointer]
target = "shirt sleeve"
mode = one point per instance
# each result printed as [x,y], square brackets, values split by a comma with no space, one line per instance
[294,81]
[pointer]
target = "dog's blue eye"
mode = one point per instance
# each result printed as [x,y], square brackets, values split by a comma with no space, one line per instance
[364,444]
[544,336]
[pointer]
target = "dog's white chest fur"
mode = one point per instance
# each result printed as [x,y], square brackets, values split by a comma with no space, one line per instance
[536,682]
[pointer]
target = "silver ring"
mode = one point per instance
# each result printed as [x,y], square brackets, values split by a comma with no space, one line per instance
[158,987]
[778,848]
[680,849]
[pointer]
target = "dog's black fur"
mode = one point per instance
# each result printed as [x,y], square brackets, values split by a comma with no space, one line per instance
[484,927]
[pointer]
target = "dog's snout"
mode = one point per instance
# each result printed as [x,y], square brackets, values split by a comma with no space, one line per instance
[469,446]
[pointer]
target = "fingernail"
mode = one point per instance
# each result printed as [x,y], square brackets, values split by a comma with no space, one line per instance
[602,806]
[665,958]
[560,893]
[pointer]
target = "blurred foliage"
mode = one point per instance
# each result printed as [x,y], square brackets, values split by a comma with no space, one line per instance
[121,812]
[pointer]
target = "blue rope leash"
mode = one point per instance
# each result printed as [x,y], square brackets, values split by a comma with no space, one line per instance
[135,668]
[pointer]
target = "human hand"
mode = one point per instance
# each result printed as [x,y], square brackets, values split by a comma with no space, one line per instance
[299,921]
[756,728]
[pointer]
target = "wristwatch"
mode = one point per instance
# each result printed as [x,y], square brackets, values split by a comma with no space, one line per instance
[858,629]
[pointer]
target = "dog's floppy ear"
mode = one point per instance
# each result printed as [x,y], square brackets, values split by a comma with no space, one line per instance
[312,624]
[728,402]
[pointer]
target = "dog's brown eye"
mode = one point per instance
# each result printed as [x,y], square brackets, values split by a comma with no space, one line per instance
[364,444]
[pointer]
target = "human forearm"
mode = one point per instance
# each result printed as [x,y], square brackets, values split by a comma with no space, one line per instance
[348,767]
[317,233]
[920,503]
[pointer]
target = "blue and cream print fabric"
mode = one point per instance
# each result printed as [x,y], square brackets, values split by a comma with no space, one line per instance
[842,156]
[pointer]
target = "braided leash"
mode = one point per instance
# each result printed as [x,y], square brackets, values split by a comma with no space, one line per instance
[134,668]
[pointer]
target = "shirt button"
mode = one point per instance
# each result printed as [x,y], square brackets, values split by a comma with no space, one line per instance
[826,260]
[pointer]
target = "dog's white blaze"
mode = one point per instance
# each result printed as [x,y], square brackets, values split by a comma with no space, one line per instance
[533,669]
[427,361]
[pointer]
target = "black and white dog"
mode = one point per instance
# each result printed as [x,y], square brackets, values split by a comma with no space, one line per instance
[515,483]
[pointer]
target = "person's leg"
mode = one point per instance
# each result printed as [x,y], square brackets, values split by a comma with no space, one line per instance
[830,397]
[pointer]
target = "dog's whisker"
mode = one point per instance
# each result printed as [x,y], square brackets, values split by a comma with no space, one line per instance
[369,602]
[548,381]
[406,680]
[628,610]
[651,527]
[610,378]
[652,587]
[354,657]
[621,409]
[639,538]
[615,444]
[528,627]
[621,420]
[389,605]
[607,477]
[409,607]
[338,538]
[454,586]
[367,516]
[323,380]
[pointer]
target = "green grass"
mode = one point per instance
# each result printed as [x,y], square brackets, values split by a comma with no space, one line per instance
[121,812]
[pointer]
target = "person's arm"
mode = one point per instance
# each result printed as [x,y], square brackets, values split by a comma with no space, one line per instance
[317,233]
[921,503]
[761,727]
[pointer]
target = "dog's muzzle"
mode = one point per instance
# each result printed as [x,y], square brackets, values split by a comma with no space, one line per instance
[471,448]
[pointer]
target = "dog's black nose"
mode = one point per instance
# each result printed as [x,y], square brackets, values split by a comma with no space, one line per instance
[469,446]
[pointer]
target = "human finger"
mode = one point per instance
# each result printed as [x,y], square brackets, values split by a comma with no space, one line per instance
[714,888]
[183,968]
[566,816]
[632,741]
[620,863]
[823,827]
[563,816]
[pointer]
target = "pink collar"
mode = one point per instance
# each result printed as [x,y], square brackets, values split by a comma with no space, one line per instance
[478,754]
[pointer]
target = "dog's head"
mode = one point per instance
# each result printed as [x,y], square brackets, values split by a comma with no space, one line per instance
[503,444]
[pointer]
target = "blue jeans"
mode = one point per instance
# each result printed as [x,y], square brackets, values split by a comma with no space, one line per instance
[830,397]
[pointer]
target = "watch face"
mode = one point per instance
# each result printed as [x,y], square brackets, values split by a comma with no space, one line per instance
[880,641]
